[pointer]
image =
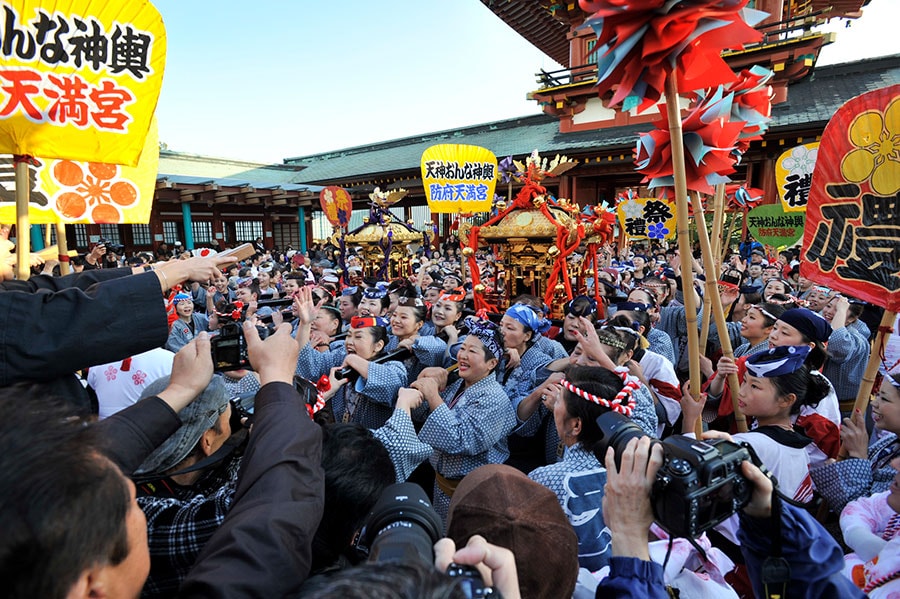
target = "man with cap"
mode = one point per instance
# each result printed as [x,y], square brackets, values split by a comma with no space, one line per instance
[188,325]
[507,508]
[184,506]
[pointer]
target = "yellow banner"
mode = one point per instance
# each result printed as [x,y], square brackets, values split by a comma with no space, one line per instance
[79,79]
[459,178]
[647,218]
[793,173]
[85,192]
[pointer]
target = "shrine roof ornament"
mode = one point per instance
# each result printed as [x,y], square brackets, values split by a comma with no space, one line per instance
[639,42]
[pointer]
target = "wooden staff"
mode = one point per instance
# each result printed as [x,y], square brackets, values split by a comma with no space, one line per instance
[684,246]
[717,225]
[63,248]
[726,241]
[716,240]
[719,314]
[704,320]
[23,240]
[868,380]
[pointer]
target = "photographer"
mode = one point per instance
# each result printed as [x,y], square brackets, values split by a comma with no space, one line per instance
[587,393]
[770,529]
[54,326]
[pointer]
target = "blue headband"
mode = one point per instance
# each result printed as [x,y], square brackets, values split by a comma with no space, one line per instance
[486,332]
[374,293]
[777,361]
[810,324]
[182,297]
[528,318]
[350,290]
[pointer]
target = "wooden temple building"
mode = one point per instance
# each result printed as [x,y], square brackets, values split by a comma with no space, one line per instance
[209,202]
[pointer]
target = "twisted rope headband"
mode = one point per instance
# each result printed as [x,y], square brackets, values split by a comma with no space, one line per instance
[623,402]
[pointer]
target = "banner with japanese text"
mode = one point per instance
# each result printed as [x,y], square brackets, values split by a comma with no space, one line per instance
[647,218]
[69,191]
[79,79]
[852,238]
[459,178]
[793,173]
[771,225]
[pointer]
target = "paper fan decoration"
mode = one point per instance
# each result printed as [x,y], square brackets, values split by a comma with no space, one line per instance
[640,42]
[709,142]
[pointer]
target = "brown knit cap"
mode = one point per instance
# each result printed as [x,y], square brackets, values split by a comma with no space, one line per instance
[509,509]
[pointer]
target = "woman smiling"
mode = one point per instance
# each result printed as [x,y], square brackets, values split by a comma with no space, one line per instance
[469,421]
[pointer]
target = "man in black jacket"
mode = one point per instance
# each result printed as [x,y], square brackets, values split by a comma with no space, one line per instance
[51,327]
[88,537]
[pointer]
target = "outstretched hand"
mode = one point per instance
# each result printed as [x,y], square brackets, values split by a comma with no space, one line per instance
[192,370]
[275,358]
[626,497]
[496,564]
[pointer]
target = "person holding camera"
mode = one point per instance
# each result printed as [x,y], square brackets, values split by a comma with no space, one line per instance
[787,552]
[587,393]
[55,326]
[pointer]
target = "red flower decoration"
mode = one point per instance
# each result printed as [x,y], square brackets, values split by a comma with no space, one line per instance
[640,42]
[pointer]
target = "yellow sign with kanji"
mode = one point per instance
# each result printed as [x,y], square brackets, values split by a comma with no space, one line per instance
[647,218]
[69,191]
[459,178]
[793,173]
[79,79]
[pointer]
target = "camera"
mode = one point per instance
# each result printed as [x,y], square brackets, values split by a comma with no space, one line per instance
[229,348]
[403,526]
[115,248]
[700,482]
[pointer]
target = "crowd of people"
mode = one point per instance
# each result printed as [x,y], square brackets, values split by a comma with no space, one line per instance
[135,461]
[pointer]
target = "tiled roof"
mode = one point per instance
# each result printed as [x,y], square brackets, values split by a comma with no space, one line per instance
[811,102]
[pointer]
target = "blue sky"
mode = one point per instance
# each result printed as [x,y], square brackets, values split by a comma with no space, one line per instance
[281,78]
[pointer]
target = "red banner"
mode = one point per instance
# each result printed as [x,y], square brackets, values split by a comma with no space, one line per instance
[852,237]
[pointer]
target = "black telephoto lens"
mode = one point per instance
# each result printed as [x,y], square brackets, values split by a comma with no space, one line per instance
[402,525]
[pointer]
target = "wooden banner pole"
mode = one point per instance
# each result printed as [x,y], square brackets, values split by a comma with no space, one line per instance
[63,246]
[718,312]
[868,380]
[684,247]
[23,230]
[717,226]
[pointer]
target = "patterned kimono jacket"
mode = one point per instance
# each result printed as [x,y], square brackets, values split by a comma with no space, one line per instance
[370,401]
[467,431]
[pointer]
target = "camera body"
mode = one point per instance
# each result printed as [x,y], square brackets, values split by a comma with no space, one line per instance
[229,348]
[115,248]
[700,483]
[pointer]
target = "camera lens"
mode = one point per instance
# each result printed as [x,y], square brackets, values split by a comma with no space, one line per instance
[402,525]
[617,431]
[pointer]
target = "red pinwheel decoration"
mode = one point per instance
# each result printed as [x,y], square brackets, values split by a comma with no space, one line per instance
[709,142]
[640,42]
[752,104]
[742,197]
